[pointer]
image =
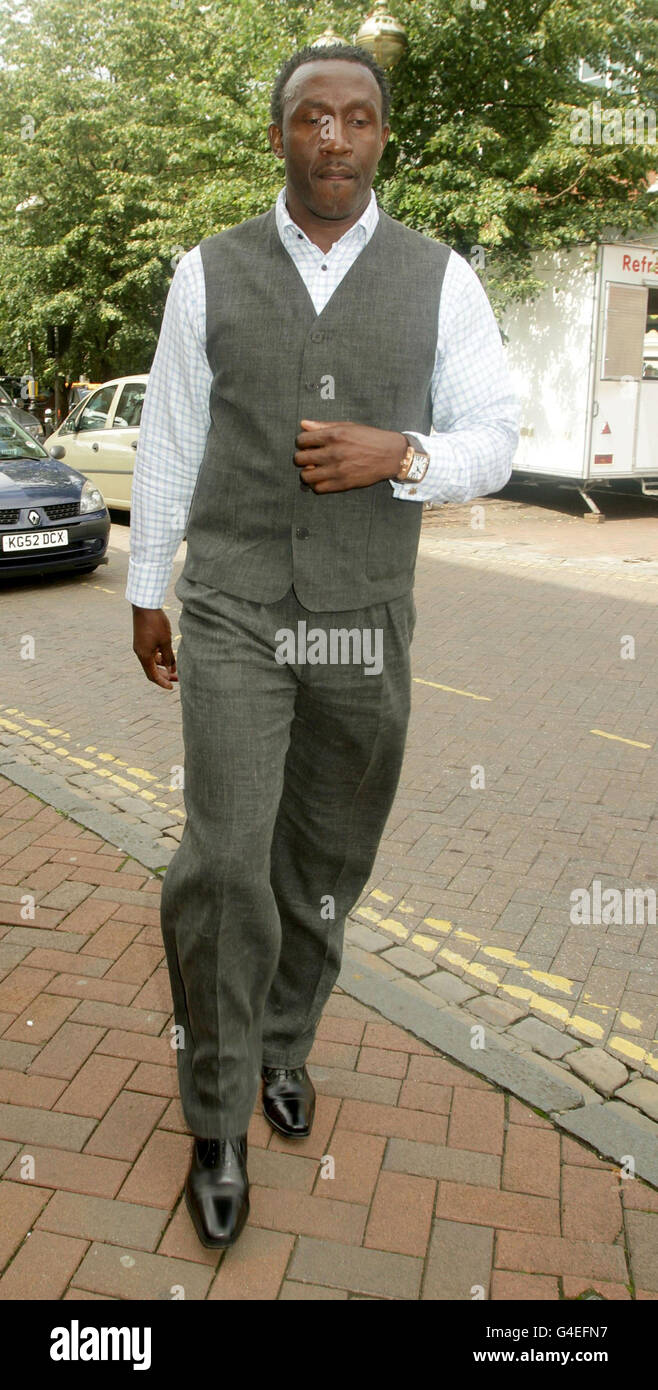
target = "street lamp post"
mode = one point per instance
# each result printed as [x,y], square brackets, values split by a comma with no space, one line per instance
[383,36]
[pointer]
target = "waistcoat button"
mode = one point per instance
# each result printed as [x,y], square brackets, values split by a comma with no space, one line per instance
[302,533]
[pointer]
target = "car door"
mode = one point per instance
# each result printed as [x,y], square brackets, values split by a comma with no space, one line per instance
[84,441]
[118,451]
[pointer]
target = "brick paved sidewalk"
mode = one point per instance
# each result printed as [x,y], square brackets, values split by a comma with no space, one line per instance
[443,1184]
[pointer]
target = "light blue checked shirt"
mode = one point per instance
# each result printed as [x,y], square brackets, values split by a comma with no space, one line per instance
[474,411]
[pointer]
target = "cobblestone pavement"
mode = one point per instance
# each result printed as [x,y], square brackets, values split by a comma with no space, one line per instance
[444,1187]
[531,768]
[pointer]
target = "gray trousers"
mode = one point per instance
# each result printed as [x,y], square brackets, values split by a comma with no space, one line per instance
[291,768]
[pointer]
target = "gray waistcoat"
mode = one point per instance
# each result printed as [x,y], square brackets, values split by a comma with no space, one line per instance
[252,530]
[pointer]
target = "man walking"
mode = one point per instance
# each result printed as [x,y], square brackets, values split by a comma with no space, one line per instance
[304,358]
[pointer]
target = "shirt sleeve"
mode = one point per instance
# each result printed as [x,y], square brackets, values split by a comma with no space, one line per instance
[172,436]
[475,412]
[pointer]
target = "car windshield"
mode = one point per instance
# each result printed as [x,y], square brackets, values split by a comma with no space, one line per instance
[5,398]
[16,443]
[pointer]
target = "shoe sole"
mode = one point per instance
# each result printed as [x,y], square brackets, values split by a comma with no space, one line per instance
[208,1241]
[288,1133]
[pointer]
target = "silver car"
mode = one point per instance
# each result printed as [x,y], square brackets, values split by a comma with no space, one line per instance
[21,417]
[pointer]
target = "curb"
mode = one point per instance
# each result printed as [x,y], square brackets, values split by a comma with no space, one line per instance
[109,825]
[612,1128]
[615,1130]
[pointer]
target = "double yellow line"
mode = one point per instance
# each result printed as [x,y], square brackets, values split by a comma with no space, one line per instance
[103,764]
[480,973]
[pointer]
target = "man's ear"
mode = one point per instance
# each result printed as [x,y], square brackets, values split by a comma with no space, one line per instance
[275,137]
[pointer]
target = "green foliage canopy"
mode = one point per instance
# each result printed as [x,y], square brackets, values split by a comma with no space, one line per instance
[128,133]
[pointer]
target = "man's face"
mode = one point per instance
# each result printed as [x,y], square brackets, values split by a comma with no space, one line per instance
[332,136]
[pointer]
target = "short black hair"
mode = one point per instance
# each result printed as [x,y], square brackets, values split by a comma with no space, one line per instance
[347,53]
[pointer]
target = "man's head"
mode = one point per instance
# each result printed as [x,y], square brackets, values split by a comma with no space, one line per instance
[329,110]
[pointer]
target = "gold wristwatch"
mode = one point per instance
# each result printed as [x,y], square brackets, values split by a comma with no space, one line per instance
[414,464]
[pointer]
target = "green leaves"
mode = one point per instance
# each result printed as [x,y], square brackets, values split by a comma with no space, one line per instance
[132,132]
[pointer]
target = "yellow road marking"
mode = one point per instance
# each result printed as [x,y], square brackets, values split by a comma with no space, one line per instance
[605,1008]
[470,967]
[633,1052]
[476,970]
[369,913]
[451,689]
[553,981]
[439,923]
[629,1020]
[508,957]
[27,729]
[389,924]
[426,943]
[618,738]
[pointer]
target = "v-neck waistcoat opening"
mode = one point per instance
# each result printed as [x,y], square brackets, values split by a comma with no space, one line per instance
[368,357]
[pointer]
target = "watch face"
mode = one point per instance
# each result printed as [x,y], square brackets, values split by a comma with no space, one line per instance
[418,468]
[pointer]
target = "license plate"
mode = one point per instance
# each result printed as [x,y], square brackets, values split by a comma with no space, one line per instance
[35,540]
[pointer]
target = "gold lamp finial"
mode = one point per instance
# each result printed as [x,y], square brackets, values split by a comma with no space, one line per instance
[328,38]
[383,36]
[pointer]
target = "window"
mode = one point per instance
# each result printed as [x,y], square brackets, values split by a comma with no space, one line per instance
[129,410]
[93,415]
[70,422]
[16,443]
[625,322]
[613,78]
[650,359]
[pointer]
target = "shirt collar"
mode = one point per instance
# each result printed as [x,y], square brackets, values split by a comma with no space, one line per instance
[363,229]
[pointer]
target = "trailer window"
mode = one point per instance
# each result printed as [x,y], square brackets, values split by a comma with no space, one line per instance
[625,328]
[650,363]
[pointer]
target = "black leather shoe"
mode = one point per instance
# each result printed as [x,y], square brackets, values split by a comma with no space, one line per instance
[217,1190]
[288,1100]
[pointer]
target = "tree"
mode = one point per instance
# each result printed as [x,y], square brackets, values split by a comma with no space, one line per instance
[128,134]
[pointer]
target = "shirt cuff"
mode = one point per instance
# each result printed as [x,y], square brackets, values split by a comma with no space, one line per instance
[147,583]
[464,464]
[424,490]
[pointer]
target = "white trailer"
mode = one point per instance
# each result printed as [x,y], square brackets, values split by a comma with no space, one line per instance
[584,359]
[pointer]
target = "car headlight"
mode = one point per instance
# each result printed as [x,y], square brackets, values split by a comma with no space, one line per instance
[91,500]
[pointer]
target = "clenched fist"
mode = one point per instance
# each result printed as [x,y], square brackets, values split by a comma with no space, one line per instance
[336,455]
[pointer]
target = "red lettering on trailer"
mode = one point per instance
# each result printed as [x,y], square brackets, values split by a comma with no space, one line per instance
[646,266]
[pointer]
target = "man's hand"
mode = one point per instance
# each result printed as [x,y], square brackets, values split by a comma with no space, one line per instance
[152,644]
[336,455]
